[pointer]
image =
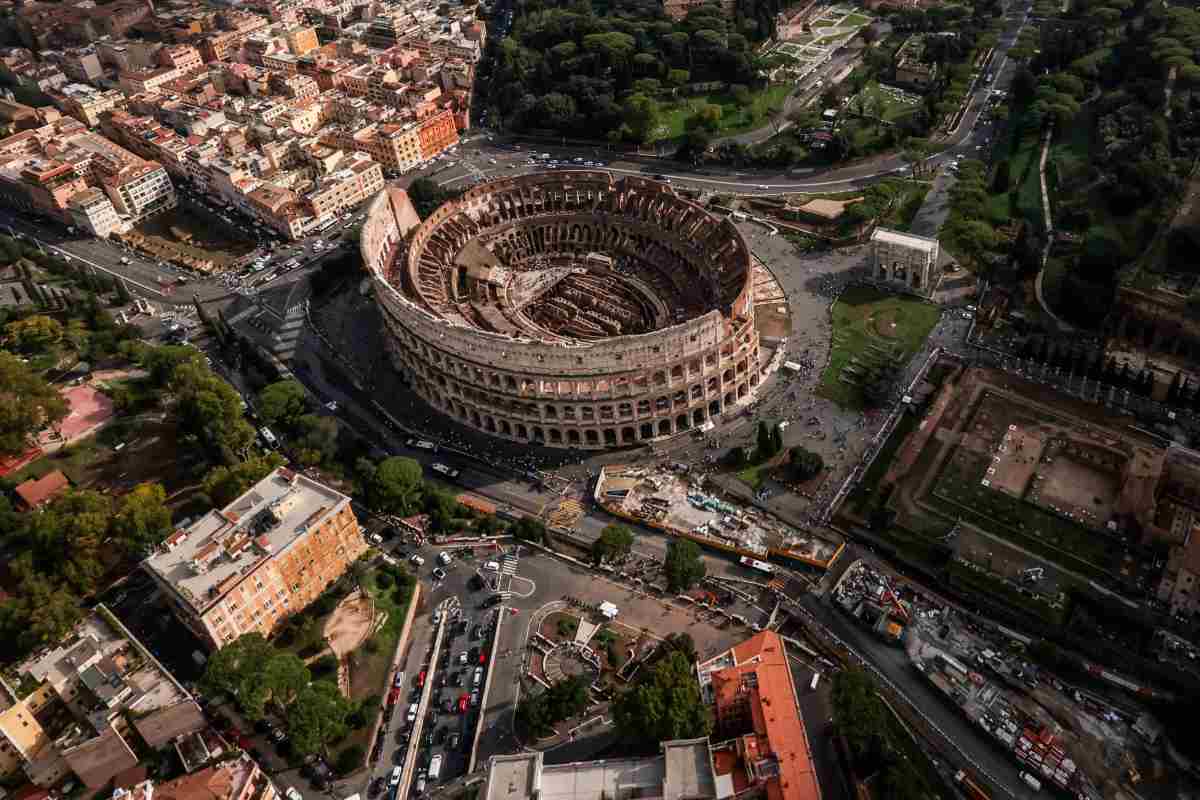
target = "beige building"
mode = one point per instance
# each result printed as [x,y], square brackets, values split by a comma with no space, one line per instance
[79,707]
[86,103]
[263,557]
[140,190]
[92,211]
[904,260]
[358,179]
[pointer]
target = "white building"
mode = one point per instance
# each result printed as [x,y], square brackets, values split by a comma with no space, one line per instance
[904,260]
[92,211]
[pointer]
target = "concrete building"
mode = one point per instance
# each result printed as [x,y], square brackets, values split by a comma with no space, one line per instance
[93,212]
[357,179]
[87,104]
[140,190]
[263,557]
[684,771]
[567,309]
[437,133]
[904,260]
[76,707]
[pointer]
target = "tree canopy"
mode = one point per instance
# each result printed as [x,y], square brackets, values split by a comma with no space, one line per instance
[393,485]
[614,542]
[282,403]
[663,705]
[27,404]
[683,566]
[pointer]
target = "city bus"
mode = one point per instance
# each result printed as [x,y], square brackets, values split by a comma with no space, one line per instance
[755,564]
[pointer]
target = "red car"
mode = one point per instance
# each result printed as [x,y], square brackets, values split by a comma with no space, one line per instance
[483,656]
[421,680]
[462,703]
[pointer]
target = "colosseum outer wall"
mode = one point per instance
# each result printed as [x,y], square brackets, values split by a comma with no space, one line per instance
[586,394]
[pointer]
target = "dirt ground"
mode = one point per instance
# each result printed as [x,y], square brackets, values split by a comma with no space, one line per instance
[350,624]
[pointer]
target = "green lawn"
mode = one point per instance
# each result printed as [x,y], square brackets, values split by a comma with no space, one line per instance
[734,117]
[868,323]
[823,23]
[754,475]
[881,104]
[855,20]
[1004,592]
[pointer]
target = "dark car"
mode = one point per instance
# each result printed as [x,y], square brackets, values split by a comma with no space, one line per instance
[262,726]
[439,735]
[398,756]
[456,679]
[454,742]
[478,632]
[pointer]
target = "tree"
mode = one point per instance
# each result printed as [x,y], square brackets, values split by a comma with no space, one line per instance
[394,485]
[35,334]
[317,717]
[764,447]
[776,439]
[350,759]
[143,520]
[804,464]
[237,670]
[223,485]
[683,566]
[27,404]
[664,705]
[640,114]
[1001,180]
[285,675]
[282,403]
[735,457]
[856,707]
[614,542]
[529,529]
[210,409]
[426,195]
[316,438]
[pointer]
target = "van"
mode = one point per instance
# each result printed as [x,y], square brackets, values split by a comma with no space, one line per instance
[492,566]
[395,779]
[412,713]
[444,558]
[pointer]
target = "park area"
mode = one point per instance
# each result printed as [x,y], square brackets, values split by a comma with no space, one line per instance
[872,329]
[738,114]
[886,103]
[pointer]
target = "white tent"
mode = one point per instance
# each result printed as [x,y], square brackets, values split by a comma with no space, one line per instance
[609,610]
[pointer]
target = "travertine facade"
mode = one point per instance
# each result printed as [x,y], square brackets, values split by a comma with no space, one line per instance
[905,259]
[567,309]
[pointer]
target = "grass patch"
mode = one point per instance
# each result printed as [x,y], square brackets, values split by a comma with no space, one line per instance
[863,498]
[867,321]
[958,494]
[828,40]
[978,581]
[902,213]
[369,671]
[855,21]
[823,23]
[735,118]
[753,476]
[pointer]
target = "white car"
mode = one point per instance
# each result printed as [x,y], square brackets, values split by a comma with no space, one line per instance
[475,681]
[375,539]
[416,559]
[492,565]
[395,779]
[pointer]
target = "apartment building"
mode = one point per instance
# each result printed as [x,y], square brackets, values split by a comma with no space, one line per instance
[86,103]
[76,708]
[92,211]
[302,40]
[183,58]
[357,180]
[436,133]
[238,778]
[263,557]
[147,80]
[140,190]
[39,184]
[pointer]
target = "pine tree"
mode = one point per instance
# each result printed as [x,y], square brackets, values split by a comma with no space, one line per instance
[763,449]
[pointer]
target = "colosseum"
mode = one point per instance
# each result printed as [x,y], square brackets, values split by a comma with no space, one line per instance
[566,309]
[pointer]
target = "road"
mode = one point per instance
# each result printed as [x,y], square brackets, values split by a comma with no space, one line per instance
[473,161]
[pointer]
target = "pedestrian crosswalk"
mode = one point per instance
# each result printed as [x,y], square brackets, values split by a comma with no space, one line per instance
[508,566]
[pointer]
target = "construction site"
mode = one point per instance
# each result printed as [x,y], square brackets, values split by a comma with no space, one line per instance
[678,502]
